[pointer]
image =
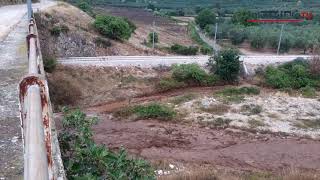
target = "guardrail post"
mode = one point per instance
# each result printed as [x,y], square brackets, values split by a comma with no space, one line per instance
[35,158]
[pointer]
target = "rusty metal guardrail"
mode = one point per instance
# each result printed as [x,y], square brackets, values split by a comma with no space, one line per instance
[42,158]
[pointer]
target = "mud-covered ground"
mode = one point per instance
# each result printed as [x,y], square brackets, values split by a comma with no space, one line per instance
[270,131]
[193,140]
[230,148]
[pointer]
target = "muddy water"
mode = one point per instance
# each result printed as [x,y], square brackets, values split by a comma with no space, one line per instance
[193,144]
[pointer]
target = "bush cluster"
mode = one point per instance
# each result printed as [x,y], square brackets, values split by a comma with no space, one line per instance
[154,110]
[86,7]
[113,27]
[84,159]
[186,75]
[295,74]
[226,64]
[183,50]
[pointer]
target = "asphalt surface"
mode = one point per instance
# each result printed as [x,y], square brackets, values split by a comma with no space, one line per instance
[13,66]
[150,61]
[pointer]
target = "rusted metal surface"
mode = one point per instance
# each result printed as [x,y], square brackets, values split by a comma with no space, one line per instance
[42,153]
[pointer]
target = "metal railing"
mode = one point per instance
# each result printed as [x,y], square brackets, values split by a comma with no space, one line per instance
[37,118]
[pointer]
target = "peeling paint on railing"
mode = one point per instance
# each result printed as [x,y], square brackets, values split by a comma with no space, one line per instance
[41,148]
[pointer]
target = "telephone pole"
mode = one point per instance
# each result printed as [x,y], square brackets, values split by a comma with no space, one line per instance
[153,33]
[280,39]
[215,36]
[29,6]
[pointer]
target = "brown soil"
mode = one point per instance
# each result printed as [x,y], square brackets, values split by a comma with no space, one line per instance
[191,143]
[229,148]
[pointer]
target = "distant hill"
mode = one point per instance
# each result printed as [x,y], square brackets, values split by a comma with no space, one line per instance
[225,4]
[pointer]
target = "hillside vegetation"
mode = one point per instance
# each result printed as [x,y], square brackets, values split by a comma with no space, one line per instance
[67,31]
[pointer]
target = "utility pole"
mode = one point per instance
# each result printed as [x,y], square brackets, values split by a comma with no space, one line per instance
[280,39]
[215,36]
[29,6]
[153,33]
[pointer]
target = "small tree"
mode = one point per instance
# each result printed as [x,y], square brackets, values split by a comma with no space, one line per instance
[242,16]
[206,17]
[237,35]
[226,64]
[150,37]
[258,40]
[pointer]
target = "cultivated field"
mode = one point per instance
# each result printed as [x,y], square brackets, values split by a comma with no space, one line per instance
[169,31]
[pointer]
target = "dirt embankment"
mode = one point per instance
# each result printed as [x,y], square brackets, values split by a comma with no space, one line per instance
[91,86]
[66,31]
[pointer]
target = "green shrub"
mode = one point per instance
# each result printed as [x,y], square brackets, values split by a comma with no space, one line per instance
[49,64]
[183,50]
[308,92]
[226,64]
[277,78]
[86,7]
[169,84]
[295,74]
[113,27]
[154,110]
[192,74]
[150,37]
[84,159]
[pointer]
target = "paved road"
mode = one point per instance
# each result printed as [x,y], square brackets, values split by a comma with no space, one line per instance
[12,15]
[13,66]
[147,61]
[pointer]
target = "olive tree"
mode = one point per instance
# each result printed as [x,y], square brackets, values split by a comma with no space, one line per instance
[205,17]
